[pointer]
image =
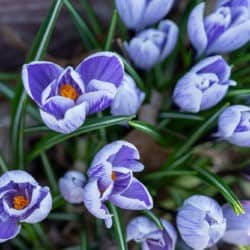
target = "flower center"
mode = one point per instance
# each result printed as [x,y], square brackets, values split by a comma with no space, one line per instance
[68,91]
[113,176]
[20,202]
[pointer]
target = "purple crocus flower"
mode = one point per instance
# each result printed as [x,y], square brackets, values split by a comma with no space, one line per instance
[22,199]
[140,14]
[71,186]
[226,29]
[143,230]
[65,96]
[204,85]
[128,98]
[111,179]
[238,226]
[234,125]
[200,222]
[152,46]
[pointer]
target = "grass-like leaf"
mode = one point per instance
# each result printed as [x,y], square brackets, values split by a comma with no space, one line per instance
[155,219]
[181,116]
[90,125]
[111,32]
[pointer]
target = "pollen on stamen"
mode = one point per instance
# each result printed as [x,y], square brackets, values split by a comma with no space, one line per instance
[113,176]
[68,91]
[20,202]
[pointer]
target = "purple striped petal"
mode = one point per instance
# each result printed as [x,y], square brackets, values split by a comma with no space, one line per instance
[122,179]
[9,229]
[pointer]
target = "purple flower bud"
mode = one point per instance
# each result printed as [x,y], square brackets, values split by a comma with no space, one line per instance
[152,46]
[226,29]
[111,178]
[234,125]
[238,226]
[71,186]
[128,98]
[143,230]
[204,85]
[66,96]
[200,222]
[22,200]
[139,14]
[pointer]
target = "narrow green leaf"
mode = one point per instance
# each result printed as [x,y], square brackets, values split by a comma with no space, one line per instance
[63,216]
[88,38]
[182,116]
[3,165]
[218,183]
[19,244]
[84,241]
[8,76]
[155,219]
[237,92]
[49,172]
[118,227]
[90,125]
[149,130]
[6,91]
[111,32]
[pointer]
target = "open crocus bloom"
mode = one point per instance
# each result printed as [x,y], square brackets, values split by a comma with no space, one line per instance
[65,96]
[22,199]
[111,179]
[226,29]
[143,230]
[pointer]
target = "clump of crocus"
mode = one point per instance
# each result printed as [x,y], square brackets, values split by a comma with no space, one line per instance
[238,226]
[111,179]
[201,222]
[71,186]
[22,200]
[66,96]
[128,98]
[152,46]
[140,14]
[144,231]
[204,85]
[225,29]
[234,125]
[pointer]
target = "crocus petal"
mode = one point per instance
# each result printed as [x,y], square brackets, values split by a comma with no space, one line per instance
[9,229]
[102,66]
[93,202]
[136,197]
[139,227]
[232,39]
[37,76]
[155,11]
[73,119]
[196,29]
[241,139]
[170,230]
[186,95]
[122,179]
[131,12]
[121,154]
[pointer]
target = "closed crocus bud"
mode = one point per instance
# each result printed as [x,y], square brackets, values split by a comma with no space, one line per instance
[204,85]
[128,98]
[71,186]
[200,222]
[151,46]
[234,125]
[139,14]
[226,29]
[238,226]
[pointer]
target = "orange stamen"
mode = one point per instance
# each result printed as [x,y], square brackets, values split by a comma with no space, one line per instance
[113,176]
[68,91]
[20,202]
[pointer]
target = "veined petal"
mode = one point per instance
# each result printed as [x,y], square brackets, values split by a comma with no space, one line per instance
[123,178]
[73,119]
[9,229]
[102,66]
[36,76]
[241,139]
[196,29]
[136,197]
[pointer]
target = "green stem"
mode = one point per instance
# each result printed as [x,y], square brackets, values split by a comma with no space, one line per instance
[3,165]
[111,32]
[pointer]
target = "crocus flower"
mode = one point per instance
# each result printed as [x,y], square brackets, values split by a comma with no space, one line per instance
[111,179]
[22,199]
[238,226]
[152,46]
[200,222]
[234,125]
[144,231]
[128,98]
[65,96]
[71,186]
[226,29]
[142,13]
[204,85]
